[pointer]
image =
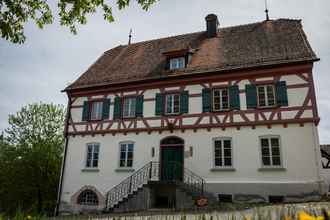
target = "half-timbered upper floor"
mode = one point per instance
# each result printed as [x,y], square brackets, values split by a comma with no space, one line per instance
[250,75]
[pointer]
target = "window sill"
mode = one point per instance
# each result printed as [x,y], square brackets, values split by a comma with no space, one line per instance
[272,169]
[219,169]
[90,170]
[124,170]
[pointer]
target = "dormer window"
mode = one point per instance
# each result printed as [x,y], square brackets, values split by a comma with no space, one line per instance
[177,63]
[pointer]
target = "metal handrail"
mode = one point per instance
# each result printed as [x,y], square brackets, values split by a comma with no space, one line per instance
[152,171]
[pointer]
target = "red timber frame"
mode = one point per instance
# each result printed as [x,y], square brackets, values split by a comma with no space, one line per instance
[223,120]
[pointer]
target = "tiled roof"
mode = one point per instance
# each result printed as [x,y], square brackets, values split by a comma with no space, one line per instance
[252,45]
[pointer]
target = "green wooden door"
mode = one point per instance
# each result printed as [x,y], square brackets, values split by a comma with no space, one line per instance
[172,163]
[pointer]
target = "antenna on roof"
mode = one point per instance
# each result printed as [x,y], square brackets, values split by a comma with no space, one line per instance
[266,10]
[130,36]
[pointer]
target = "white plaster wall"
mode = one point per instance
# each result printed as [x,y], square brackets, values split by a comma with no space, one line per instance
[297,146]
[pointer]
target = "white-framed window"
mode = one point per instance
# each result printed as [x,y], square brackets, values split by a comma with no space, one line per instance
[129,107]
[266,96]
[223,152]
[92,157]
[220,99]
[88,197]
[177,63]
[126,154]
[270,151]
[172,104]
[96,110]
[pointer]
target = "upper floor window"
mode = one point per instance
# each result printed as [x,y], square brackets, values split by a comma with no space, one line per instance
[88,197]
[266,96]
[172,103]
[126,154]
[270,151]
[223,152]
[220,99]
[92,158]
[96,110]
[129,107]
[177,63]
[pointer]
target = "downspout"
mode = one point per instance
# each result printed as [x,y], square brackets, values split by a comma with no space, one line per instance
[59,192]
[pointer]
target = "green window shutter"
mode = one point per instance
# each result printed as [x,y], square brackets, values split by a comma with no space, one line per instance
[281,93]
[184,102]
[251,96]
[106,109]
[85,112]
[234,97]
[139,106]
[117,108]
[206,99]
[159,104]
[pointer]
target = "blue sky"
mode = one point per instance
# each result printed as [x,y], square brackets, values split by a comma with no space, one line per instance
[52,58]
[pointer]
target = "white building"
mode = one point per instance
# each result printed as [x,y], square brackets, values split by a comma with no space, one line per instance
[225,114]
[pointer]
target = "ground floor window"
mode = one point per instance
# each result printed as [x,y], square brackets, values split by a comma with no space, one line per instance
[222,152]
[88,197]
[92,158]
[126,154]
[270,151]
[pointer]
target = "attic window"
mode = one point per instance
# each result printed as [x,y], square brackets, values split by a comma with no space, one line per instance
[177,63]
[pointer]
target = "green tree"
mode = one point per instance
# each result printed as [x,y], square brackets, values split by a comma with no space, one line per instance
[30,155]
[14,14]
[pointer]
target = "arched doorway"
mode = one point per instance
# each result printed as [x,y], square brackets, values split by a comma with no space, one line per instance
[172,158]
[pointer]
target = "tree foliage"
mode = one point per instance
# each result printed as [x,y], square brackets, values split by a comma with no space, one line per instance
[30,155]
[14,14]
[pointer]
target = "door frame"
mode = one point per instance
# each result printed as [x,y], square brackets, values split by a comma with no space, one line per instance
[162,146]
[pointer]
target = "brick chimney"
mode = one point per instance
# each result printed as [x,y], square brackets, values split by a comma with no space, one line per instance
[212,24]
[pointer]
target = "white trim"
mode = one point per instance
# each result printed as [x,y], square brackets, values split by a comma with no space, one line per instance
[119,152]
[224,167]
[270,167]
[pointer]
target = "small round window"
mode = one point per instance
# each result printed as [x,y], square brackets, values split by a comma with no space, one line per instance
[88,197]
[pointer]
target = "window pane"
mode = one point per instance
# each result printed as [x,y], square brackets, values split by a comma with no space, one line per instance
[261,96]
[270,95]
[88,163]
[227,152]
[275,151]
[266,161]
[264,142]
[123,147]
[265,151]
[95,162]
[96,156]
[129,163]
[227,143]
[217,153]
[130,155]
[126,108]
[123,155]
[217,144]
[132,107]
[276,161]
[96,148]
[227,161]
[122,163]
[274,142]
[169,103]
[176,103]
[224,99]
[130,147]
[96,112]
[218,162]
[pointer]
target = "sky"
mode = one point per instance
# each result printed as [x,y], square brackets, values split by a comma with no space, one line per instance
[52,58]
